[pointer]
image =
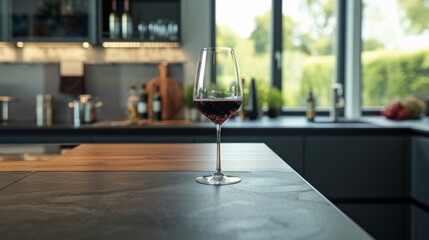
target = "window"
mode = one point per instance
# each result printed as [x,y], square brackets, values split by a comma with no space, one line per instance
[308,57]
[395,50]
[394,57]
[307,32]
[245,26]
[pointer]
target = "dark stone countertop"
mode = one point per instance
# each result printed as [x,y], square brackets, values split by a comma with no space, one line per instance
[263,126]
[8,178]
[168,205]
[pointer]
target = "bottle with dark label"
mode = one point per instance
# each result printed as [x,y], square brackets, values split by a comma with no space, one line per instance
[311,106]
[127,22]
[156,105]
[142,105]
[114,22]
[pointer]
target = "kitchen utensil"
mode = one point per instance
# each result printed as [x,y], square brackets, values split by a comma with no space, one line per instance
[44,110]
[5,100]
[171,93]
[84,109]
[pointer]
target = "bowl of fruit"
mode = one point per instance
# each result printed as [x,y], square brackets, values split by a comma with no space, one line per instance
[408,108]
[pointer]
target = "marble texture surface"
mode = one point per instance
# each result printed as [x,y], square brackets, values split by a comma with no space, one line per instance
[168,205]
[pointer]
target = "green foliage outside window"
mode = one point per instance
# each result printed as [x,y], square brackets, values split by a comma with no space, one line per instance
[317,73]
[389,75]
[386,75]
[308,59]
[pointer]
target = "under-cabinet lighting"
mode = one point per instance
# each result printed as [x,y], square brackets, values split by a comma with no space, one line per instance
[140,44]
[53,44]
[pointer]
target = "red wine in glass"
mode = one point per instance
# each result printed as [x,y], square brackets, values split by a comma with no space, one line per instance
[218,94]
[218,110]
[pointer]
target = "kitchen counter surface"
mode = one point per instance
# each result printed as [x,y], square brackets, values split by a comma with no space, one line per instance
[161,200]
[279,126]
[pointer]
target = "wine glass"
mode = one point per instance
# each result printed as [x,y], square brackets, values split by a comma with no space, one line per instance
[217,94]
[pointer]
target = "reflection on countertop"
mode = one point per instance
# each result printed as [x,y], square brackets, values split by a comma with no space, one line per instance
[32,152]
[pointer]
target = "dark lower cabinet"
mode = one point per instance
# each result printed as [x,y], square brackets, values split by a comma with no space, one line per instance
[356,167]
[382,221]
[419,224]
[290,149]
[419,188]
[390,221]
[420,170]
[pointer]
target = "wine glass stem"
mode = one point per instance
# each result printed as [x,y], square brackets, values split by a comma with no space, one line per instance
[218,162]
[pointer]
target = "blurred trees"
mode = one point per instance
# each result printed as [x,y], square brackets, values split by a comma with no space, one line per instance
[225,37]
[386,75]
[308,58]
[416,15]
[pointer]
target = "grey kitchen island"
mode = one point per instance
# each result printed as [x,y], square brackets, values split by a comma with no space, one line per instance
[148,191]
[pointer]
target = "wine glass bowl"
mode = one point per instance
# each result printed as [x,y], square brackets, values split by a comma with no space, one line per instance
[218,95]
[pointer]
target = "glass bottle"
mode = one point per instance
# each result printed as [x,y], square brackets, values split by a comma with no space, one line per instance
[241,111]
[114,25]
[311,106]
[127,22]
[132,102]
[252,111]
[142,105]
[156,105]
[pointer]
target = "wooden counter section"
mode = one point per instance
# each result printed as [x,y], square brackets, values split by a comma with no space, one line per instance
[157,157]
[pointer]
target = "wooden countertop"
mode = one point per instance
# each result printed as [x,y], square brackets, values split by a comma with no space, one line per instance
[157,157]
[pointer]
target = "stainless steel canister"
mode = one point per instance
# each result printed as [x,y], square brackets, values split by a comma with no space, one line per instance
[84,109]
[77,109]
[44,109]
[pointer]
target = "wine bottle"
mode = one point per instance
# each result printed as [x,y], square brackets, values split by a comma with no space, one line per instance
[114,23]
[132,101]
[311,106]
[252,110]
[156,105]
[241,111]
[127,22]
[142,105]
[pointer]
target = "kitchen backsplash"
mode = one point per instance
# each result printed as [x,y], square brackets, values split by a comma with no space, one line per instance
[108,82]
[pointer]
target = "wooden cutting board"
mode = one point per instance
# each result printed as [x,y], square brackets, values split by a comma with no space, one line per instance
[171,93]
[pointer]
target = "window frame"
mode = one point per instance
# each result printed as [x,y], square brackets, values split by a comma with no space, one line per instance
[347,64]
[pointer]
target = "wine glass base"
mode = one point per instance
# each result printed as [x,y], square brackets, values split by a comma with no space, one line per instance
[218,180]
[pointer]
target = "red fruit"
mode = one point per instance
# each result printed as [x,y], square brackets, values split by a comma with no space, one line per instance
[387,113]
[396,111]
[403,114]
[395,106]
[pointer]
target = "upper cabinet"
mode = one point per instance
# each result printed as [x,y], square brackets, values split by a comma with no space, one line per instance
[2,22]
[103,22]
[51,20]
[139,21]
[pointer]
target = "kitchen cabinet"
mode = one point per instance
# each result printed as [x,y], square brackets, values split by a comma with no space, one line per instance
[50,20]
[344,167]
[152,21]
[290,149]
[419,223]
[382,221]
[420,169]
[2,27]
